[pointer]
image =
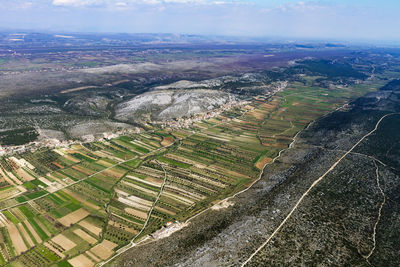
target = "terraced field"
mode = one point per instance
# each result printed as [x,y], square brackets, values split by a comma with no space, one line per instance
[83,204]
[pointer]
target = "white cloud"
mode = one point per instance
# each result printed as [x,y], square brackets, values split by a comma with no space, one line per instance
[302,6]
[151,2]
[184,1]
[77,3]
[121,4]
[18,4]
[125,4]
[130,4]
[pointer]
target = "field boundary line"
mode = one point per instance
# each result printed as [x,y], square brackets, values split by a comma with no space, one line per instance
[247,188]
[83,179]
[294,138]
[122,162]
[131,243]
[317,181]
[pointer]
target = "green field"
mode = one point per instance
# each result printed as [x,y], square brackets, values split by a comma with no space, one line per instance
[119,190]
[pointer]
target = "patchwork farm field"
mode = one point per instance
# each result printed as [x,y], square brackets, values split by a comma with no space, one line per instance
[83,204]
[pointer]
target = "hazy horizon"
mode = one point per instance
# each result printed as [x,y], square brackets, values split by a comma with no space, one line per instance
[333,20]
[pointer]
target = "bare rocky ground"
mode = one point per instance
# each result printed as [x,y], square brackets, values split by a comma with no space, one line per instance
[161,105]
[333,225]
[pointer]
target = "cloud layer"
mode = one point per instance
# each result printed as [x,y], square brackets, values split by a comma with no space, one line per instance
[333,19]
[81,3]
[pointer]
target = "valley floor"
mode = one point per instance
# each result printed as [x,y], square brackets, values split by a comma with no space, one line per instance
[331,199]
[89,202]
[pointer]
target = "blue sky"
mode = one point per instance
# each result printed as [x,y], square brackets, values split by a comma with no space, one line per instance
[333,19]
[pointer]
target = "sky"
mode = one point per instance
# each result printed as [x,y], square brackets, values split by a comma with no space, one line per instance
[312,19]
